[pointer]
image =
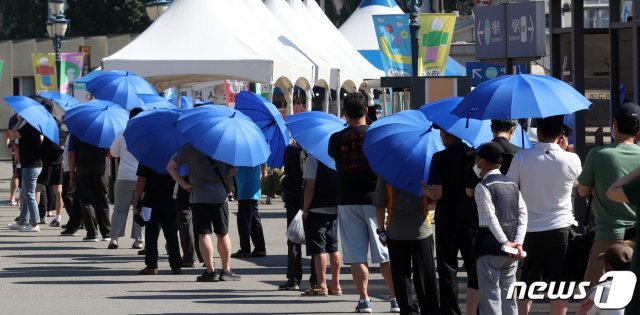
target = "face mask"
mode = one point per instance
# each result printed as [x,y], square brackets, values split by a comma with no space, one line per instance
[477,170]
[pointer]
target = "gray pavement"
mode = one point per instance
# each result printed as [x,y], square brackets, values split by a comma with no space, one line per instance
[46,273]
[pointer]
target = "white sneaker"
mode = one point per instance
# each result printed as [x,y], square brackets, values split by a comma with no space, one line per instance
[30,228]
[15,226]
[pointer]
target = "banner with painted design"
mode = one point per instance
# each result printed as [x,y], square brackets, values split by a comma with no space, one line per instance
[394,41]
[436,32]
[71,69]
[44,71]
[232,88]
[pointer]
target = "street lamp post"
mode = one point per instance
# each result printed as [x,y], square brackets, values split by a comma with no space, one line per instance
[414,27]
[155,8]
[57,26]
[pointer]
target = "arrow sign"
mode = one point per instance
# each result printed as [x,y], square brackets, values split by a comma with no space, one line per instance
[476,73]
[531,28]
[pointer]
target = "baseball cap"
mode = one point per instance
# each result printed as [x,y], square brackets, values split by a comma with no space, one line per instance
[618,256]
[491,152]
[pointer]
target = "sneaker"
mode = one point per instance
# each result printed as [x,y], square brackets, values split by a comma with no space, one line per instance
[256,253]
[395,308]
[142,252]
[15,226]
[90,239]
[364,307]
[30,228]
[68,233]
[241,254]
[43,220]
[208,277]
[105,239]
[54,223]
[148,271]
[290,285]
[138,245]
[176,271]
[113,244]
[228,275]
[13,203]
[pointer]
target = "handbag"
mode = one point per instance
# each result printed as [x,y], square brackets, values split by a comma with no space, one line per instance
[579,247]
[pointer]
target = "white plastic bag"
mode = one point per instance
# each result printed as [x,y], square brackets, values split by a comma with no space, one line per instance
[295,231]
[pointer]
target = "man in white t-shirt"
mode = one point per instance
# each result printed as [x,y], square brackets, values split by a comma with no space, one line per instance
[546,175]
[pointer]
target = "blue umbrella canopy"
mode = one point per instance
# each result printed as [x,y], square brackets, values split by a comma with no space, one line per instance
[36,115]
[474,132]
[153,137]
[152,101]
[96,122]
[312,131]
[120,87]
[521,96]
[65,101]
[224,134]
[269,120]
[399,148]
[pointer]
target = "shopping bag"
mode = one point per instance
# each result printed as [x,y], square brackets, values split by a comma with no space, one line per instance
[295,231]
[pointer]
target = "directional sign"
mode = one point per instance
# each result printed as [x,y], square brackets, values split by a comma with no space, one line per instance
[480,72]
[490,31]
[525,29]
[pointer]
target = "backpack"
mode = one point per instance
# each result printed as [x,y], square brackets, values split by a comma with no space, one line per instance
[50,151]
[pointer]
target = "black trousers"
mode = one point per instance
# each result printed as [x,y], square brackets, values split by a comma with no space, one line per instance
[189,241]
[451,237]
[416,255]
[47,201]
[92,196]
[250,226]
[165,218]
[294,255]
[71,203]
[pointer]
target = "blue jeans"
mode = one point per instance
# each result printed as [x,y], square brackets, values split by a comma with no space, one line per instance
[29,206]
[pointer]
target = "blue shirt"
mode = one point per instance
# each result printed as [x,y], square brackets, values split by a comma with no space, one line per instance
[248,182]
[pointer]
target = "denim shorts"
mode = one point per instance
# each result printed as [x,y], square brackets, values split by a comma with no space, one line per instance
[357,226]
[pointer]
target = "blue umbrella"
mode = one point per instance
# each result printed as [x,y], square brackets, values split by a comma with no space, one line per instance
[96,122]
[187,102]
[36,115]
[153,137]
[224,134]
[475,132]
[151,101]
[399,148]
[120,87]
[269,120]
[312,131]
[521,96]
[65,101]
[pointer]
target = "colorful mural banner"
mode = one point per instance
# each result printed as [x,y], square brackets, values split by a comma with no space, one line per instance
[71,69]
[394,41]
[436,32]
[44,71]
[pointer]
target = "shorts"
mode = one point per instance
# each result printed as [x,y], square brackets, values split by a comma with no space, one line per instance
[321,233]
[51,175]
[207,214]
[357,226]
[545,255]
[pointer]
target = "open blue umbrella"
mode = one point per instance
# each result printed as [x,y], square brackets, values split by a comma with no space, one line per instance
[153,137]
[96,122]
[65,101]
[224,134]
[120,87]
[269,120]
[187,102]
[399,148]
[312,131]
[521,96]
[152,101]
[473,131]
[36,115]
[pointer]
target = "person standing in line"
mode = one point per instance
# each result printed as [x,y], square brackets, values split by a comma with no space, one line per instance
[546,175]
[249,224]
[456,222]
[503,131]
[186,233]
[502,217]
[356,213]
[70,197]
[409,236]
[604,165]
[49,188]
[321,225]
[124,191]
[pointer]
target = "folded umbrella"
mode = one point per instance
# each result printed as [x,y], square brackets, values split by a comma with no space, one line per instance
[399,148]
[36,115]
[152,101]
[120,87]
[96,122]
[153,137]
[269,120]
[312,131]
[224,134]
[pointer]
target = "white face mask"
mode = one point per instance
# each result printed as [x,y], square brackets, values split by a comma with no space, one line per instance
[477,170]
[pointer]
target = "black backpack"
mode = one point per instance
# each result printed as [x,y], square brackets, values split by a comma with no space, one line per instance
[50,151]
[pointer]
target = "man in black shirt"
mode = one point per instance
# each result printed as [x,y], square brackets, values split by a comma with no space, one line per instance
[456,222]
[503,131]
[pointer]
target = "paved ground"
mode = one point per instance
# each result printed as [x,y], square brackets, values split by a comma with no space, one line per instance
[44,272]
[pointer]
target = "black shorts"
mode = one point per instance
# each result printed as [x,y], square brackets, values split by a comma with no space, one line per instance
[207,214]
[51,175]
[321,233]
[545,255]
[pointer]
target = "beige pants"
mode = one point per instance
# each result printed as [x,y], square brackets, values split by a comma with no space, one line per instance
[595,268]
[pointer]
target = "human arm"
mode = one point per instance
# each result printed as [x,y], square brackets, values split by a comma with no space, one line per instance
[433,187]
[309,191]
[434,192]
[174,170]
[487,214]
[616,190]
[72,168]
[381,201]
[16,153]
[115,148]
[140,184]
[521,231]
[587,176]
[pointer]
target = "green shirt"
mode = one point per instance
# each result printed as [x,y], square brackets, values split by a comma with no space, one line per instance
[407,218]
[604,165]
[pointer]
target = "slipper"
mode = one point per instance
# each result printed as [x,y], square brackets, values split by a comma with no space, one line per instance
[337,293]
[315,291]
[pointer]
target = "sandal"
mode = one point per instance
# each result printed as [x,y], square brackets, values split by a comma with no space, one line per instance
[315,291]
[337,293]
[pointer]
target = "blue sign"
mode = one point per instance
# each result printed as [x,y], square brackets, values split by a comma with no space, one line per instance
[525,29]
[491,42]
[480,72]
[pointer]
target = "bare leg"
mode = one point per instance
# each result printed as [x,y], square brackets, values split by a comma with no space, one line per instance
[360,273]
[524,306]
[206,249]
[58,193]
[224,249]
[336,263]
[13,185]
[320,261]
[473,301]
[558,307]
[385,270]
